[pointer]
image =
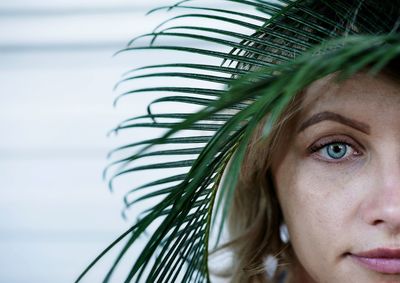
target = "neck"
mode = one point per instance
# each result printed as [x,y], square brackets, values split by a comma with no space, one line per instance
[297,274]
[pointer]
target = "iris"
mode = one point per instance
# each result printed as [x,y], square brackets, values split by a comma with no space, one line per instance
[336,150]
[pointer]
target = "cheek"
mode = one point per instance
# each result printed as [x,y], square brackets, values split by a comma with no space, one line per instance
[319,211]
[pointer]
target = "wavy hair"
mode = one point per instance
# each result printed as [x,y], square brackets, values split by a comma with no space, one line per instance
[255,216]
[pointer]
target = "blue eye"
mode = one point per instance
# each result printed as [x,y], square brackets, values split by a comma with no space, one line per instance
[336,150]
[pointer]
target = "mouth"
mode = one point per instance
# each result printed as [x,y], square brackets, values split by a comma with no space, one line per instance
[383,260]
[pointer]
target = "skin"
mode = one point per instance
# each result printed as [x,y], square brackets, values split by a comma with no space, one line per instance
[337,207]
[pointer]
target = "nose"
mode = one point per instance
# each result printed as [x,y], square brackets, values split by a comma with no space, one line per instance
[383,208]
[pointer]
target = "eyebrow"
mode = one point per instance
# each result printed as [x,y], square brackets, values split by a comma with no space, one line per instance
[331,116]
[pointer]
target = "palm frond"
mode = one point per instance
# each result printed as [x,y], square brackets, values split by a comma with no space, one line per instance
[280,47]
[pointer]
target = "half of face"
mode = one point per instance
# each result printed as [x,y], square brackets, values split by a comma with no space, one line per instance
[338,181]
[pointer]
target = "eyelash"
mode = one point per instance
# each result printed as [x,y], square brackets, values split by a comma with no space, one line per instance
[323,144]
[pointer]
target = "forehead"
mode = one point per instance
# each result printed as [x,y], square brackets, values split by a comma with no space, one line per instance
[373,101]
[362,94]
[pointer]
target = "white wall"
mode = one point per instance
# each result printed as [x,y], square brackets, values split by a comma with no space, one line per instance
[56,78]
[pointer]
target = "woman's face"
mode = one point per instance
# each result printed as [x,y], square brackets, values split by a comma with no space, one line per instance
[338,182]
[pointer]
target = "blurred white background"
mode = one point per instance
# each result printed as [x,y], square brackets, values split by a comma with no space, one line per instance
[56,78]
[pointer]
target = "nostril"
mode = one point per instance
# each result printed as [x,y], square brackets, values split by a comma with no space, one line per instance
[377,222]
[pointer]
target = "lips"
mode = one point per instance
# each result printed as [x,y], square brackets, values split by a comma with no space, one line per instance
[381,260]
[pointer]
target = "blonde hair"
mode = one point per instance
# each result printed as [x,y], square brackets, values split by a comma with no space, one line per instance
[255,218]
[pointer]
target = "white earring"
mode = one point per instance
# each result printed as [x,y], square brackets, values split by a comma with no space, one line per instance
[270,264]
[283,233]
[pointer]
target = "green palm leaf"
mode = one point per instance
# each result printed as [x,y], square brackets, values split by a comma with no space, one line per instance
[293,44]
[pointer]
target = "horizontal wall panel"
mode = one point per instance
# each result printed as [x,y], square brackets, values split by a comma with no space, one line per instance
[57,74]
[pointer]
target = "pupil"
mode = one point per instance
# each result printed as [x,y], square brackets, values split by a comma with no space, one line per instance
[337,151]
